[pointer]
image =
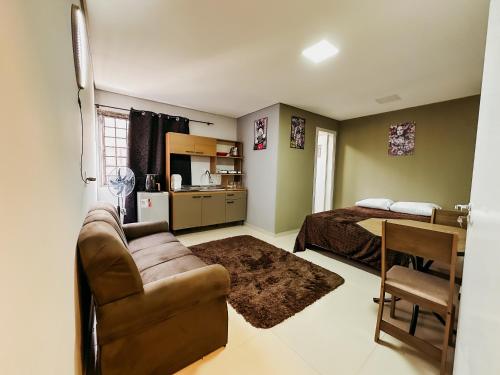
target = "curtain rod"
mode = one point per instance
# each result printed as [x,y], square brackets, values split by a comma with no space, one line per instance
[125,109]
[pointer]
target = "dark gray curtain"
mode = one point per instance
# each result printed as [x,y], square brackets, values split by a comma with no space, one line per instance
[146,152]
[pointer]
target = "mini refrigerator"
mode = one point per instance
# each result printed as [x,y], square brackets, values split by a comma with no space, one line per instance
[152,206]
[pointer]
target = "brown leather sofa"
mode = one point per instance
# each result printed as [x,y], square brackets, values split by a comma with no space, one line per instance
[158,307]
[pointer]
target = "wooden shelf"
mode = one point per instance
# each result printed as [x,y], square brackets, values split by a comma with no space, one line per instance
[229,157]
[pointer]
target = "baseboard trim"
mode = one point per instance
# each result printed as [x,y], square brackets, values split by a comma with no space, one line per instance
[271,234]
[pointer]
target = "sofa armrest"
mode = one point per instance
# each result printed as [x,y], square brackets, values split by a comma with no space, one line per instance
[161,300]
[136,230]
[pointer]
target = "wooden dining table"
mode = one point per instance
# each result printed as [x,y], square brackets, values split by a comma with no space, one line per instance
[374,226]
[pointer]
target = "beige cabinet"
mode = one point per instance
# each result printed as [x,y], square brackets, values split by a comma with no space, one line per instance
[236,195]
[190,210]
[213,209]
[236,206]
[186,211]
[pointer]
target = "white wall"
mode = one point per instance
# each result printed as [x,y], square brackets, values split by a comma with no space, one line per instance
[479,321]
[223,128]
[43,198]
[260,168]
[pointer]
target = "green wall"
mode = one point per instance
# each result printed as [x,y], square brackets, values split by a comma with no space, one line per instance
[440,171]
[294,188]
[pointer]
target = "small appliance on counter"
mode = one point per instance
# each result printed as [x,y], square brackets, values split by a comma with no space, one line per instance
[152,183]
[234,151]
[176,182]
[152,206]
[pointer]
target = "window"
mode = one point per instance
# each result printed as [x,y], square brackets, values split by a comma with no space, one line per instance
[113,130]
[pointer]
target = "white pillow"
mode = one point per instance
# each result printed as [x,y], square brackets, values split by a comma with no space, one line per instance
[414,208]
[379,203]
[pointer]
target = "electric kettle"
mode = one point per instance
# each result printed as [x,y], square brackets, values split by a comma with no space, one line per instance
[176,182]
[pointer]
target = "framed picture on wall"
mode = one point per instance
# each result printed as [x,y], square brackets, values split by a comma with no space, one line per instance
[402,139]
[297,132]
[260,134]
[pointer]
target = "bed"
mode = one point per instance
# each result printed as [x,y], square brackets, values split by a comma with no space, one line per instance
[337,232]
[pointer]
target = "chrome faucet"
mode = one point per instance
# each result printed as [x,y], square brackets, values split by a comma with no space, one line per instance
[210,179]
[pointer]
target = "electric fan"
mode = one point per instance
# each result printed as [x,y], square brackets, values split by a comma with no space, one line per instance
[121,183]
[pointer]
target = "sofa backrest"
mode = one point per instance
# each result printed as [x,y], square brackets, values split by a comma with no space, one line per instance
[108,265]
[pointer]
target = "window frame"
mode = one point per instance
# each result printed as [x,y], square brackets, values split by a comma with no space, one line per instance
[101,116]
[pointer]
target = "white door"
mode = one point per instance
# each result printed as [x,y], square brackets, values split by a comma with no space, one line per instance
[478,342]
[324,164]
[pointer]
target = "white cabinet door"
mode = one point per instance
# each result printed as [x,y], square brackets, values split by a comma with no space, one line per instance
[478,345]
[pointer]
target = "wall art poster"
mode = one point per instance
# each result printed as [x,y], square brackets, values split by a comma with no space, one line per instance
[260,134]
[402,139]
[297,132]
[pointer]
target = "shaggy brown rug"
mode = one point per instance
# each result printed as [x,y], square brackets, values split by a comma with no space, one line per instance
[268,285]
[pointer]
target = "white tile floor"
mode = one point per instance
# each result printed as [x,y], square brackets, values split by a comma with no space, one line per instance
[334,335]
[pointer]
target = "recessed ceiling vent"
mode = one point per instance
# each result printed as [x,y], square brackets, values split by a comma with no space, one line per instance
[388,99]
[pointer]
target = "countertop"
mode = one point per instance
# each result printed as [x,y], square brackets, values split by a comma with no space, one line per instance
[206,190]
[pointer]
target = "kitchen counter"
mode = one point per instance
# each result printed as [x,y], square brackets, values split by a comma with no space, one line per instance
[205,189]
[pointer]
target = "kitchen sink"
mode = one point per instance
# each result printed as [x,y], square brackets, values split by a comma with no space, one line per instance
[202,188]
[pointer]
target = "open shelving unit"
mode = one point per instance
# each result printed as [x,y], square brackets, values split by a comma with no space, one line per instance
[186,144]
[228,162]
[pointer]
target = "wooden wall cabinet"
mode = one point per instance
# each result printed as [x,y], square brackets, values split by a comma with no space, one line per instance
[186,144]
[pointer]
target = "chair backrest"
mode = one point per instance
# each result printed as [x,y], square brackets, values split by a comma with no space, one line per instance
[425,243]
[448,217]
[106,261]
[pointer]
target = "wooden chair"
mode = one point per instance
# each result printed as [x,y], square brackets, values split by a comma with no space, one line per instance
[425,290]
[452,219]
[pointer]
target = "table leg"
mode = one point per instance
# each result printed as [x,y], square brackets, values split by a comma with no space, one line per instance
[414,319]
[418,264]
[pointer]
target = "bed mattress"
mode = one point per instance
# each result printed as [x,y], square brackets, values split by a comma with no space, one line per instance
[337,231]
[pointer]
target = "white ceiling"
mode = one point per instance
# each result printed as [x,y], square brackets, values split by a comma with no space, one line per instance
[233,57]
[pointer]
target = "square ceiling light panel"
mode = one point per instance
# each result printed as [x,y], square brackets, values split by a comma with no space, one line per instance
[320,51]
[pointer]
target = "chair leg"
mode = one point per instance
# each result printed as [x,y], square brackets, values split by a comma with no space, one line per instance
[393,306]
[452,329]
[447,333]
[379,315]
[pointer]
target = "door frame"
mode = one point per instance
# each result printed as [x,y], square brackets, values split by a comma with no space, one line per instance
[334,133]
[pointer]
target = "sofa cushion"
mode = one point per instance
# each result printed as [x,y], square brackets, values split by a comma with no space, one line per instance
[170,268]
[117,268]
[111,272]
[142,229]
[161,255]
[108,207]
[107,217]
[151,241]
[151,256]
